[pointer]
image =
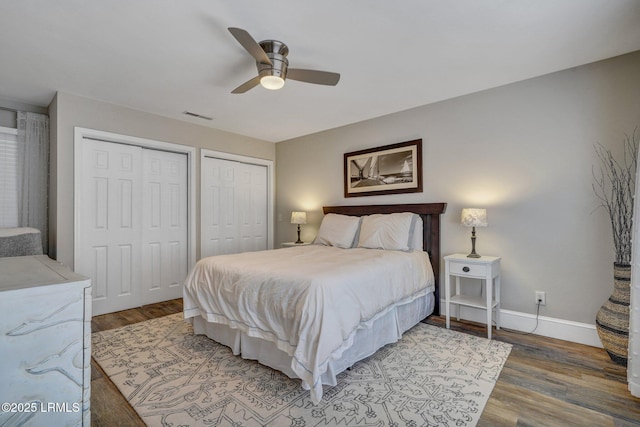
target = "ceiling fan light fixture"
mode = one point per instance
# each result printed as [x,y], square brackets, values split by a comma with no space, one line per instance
[272,82]
[273,65]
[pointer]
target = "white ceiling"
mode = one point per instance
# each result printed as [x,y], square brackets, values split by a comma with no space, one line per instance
[168,56]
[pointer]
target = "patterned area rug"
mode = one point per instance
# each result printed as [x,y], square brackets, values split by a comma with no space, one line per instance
[431,377]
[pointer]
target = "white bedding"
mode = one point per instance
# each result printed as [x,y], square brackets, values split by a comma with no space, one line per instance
[309,300]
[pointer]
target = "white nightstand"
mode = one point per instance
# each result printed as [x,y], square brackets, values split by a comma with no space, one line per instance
[289,244]
[485,268]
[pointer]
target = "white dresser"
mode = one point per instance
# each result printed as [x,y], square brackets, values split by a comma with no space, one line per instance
[45,343]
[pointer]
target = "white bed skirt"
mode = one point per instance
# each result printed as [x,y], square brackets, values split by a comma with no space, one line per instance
[384,330]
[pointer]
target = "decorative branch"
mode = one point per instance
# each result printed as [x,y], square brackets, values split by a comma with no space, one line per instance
[614,186]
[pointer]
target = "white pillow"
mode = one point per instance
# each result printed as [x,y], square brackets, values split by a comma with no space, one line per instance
[338,230]
[389,231]
[417,239]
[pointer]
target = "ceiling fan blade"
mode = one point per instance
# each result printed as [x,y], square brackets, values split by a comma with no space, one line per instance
[250,45]
[313,76]
[250,84]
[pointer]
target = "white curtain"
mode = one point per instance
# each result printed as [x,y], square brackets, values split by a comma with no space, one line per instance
[8,177]
[33,175]
[633,361]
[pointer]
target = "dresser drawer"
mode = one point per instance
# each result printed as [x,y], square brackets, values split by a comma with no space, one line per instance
[467,269]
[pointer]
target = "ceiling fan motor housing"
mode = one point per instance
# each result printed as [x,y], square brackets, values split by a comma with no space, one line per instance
[277,53]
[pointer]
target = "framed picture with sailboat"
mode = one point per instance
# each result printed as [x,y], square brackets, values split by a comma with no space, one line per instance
[390,169]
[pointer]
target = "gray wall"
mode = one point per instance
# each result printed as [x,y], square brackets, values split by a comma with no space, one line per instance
[524,151]
[67,111]
[8,118]
[8,108]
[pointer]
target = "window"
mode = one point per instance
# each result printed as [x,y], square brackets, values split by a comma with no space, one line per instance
[8,177]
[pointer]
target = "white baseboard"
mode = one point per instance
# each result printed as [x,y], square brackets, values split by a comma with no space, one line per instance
[582,333]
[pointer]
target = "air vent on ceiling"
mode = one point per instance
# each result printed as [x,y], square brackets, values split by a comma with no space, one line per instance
[196,115]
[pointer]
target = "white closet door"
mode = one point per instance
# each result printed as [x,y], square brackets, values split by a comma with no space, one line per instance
[164,225]
[131,226]
[109,224]
[234,206]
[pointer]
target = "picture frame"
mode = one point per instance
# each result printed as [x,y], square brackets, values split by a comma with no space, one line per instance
[389,169]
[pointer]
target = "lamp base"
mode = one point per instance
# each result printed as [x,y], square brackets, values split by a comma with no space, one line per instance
[473,253]
[297,242]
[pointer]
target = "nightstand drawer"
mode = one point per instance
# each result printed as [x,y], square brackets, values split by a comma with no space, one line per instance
[468,269]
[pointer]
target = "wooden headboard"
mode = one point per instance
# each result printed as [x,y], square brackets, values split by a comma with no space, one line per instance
[430,214]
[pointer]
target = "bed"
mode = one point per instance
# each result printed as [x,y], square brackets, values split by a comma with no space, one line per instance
[313,311]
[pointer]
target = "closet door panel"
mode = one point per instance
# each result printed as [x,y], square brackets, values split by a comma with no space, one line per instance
[109,223]
[218,207]
[164,225]
[258,207]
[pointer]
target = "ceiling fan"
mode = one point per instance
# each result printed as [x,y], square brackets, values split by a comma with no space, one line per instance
[273,66]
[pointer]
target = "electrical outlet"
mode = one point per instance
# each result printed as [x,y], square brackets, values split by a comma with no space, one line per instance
[541,297]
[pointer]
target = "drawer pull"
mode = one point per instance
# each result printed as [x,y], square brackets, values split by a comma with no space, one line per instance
[465,269]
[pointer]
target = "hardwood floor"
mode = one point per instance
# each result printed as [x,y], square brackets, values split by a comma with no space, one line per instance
[550,382]
[108,406]
[545,382]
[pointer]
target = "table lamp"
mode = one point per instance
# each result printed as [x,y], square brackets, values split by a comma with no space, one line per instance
[298,218]
[474,217]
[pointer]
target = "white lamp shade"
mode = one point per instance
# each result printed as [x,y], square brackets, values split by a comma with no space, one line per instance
[474,217]
[298,217]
